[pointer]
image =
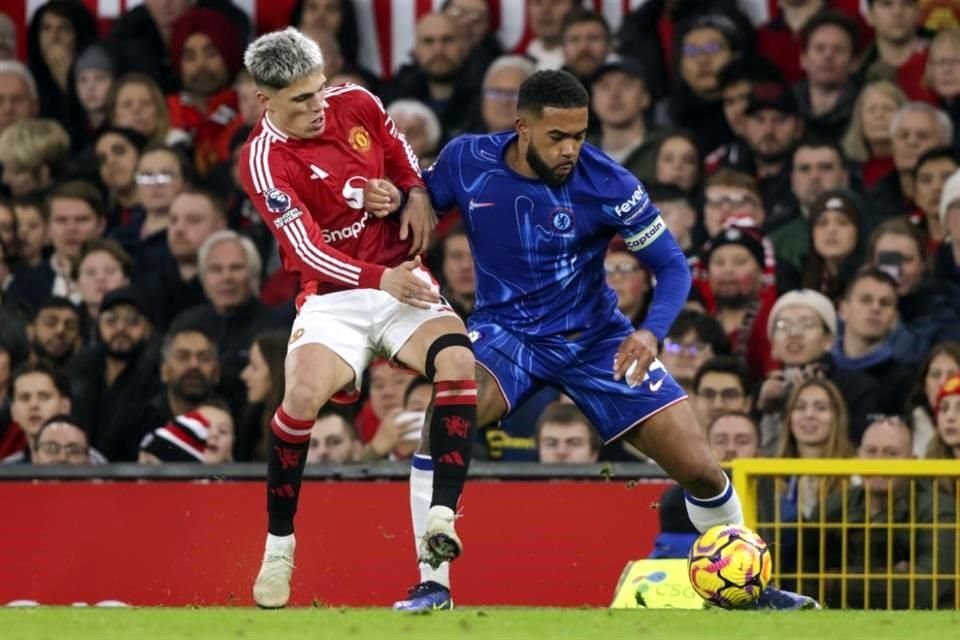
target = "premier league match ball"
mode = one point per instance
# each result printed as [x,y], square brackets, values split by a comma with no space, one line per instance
[729,566]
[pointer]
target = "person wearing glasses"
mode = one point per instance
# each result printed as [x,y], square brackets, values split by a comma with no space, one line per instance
[63,441]
[720,386]
[729,193]
[501,86]
[692,340]
[163,172]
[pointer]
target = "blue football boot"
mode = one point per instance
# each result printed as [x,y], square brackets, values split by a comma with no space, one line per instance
[426,596]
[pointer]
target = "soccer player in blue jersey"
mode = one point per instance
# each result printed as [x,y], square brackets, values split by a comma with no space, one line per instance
[540,208]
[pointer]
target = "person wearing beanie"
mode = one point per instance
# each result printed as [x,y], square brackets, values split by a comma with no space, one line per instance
[207,52]
[93,73]
[802,328]
[736,279]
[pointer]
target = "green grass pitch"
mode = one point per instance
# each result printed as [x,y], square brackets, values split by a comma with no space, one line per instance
[470,623]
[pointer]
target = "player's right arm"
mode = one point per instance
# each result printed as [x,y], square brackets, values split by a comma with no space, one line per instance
[271,190]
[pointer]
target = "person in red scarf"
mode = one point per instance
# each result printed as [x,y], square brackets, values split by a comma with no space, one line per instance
[207,53]
[735,277]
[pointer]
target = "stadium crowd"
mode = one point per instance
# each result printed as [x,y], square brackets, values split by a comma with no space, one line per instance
[808,168]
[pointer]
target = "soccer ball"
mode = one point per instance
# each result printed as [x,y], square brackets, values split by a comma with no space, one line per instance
[729,566]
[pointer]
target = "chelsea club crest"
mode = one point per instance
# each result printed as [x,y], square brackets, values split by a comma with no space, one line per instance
[561,220]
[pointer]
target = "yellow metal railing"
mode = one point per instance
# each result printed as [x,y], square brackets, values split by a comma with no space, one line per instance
[878,534]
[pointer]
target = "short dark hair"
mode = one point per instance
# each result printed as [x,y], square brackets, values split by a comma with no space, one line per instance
[937,153]
[557,89]
[59,378]
[179,328]
[814,142]
[731,365]
[183,162]
[335,411]
[104,245]
[56,302]
[830,18]
[76,190]
[564,413]
[662,192]
[416,383]
[579,15]
[62,417]
[216,202]
[32,200]
[869,273]
[753,71]
[737,414]
[705,326]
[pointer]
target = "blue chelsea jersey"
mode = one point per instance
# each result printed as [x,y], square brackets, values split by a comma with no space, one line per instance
[538,249]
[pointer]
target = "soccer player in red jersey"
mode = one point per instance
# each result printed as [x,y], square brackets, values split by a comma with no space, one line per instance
[316,168]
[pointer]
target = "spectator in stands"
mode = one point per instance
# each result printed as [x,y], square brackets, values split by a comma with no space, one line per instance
[190,372]
[332,58]
[678,213]
[475,27]
[941,364]
[31,231]
[501,86]
[940,76]
[915,129]
[336,17]
[142,36]
[459,279]
[817,427]
[947,258]
[436,76]
[263,377]
[103,266]
[779,40]
[735,83]
[387,385]
[93,75]
[738,278]
[14,350]
[221,433]
[545,18]
[621,101]
[333,440]
[174,284]
[678,162]
[55,331]
[204,435]
[399,436]
[932,171]
[229,268]
[867,141]
[869,512]
[162,173]
[118,152]
[929,311]
[18,93]
[709,43]
[586,43]
[730,193]
[721,386]
[62,441]
[834,245]
[75,214]
[731,436]
[629,279]
[565,436]
[8,38]
[207,51]
[772,129]
[39,393]
[136,102]
[898,54]
[8,229]
[826,95]
[693,339]
[817,167]
[33,153]
[865,343]
[419,125]
[119,367]
[946,441]
[59,31]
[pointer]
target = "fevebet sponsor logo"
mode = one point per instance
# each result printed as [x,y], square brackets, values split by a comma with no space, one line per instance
[638,197]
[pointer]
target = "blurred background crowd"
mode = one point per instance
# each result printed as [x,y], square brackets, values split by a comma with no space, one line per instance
[807,165]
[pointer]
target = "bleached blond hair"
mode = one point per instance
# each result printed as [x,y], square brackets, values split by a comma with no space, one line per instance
[279,58]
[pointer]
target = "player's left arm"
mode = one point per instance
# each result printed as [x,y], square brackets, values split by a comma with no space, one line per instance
[402,168]
[647,236]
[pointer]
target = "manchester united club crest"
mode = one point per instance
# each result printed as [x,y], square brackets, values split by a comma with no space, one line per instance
[359,139]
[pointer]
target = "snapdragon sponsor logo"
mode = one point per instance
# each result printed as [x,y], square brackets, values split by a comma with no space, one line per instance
[647,235]
[352,231]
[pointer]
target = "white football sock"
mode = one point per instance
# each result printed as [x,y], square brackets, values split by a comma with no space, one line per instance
[280,543]
[421,493]
[723,508]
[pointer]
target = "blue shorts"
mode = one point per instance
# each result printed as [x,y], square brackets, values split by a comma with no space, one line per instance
[582,368]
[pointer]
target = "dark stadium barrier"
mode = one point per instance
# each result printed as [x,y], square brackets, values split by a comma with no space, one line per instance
[192,534]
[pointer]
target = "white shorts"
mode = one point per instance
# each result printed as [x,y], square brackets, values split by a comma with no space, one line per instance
[361,324]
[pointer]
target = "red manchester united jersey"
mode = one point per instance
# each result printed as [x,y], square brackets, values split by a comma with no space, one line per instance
[309,192]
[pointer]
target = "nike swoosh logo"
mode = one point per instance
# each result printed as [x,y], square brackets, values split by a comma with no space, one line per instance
[655,386]
[479,205]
